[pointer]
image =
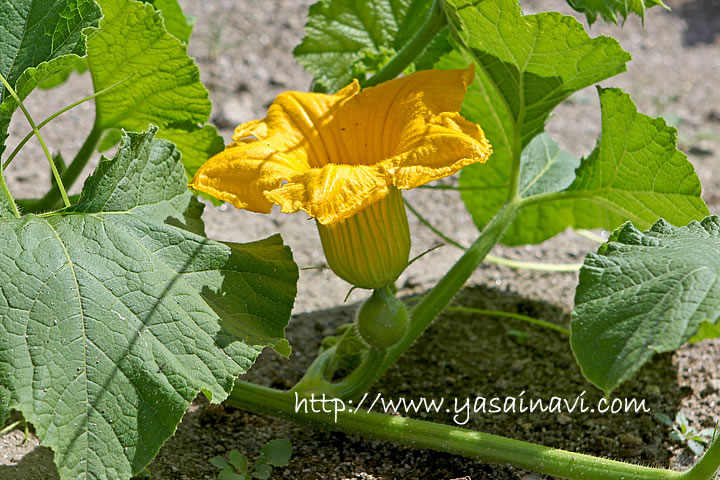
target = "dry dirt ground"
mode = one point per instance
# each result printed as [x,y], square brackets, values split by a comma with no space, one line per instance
[244,51]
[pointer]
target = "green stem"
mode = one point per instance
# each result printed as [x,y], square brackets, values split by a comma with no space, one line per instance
[514,186]
[590,235]
[54,116]
[708,467]
[431,305]
[544,267]
[72,172]
[445,438]
[362,376]
[552,197]
[53,167]
[317,378]
[10,427]
[9,196]
[517,316]
[434,22]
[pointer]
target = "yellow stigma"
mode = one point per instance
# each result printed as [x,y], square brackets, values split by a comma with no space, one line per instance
[371,248]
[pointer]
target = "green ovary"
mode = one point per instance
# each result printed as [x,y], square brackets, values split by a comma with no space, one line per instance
[382,320]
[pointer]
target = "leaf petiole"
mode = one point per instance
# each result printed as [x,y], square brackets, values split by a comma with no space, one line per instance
[55,115]
[36,131]
[538,266]
[516,316]
[508,262]
[434,22]
[11,200]
[10,427]
[72,172]
[590,235]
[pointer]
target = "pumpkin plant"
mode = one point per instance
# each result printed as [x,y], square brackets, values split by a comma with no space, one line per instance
[116,310]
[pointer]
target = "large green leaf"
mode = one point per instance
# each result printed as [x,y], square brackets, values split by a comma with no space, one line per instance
[610,9]
[114,314]
[164,86]
[37,31]
[635,173]
[176,22]
[525,66]
[706,331]
[544,168]
[37,34]
[530,62]
[644,293]
[348,38]
[57,79]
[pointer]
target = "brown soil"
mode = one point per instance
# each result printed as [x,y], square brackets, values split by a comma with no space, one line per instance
[244,52]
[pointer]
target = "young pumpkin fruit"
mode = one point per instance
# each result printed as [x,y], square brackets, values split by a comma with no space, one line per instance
[382,320]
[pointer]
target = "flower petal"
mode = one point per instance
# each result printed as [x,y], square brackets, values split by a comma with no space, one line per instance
[371,124]
[264,153]
[437,149]
[334,155]
[249,132]
[242,173]
[334,192]
[305,122]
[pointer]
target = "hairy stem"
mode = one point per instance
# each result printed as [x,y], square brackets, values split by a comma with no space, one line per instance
[516,316]
[445,438]
[508,262]
[542,267]
[434,22]
[590,235]
[552,197]
[60,187]
[54,116]
[6,191]
[10,427]
[72,172]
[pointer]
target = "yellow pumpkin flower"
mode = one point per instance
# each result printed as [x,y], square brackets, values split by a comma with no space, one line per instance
[333,156]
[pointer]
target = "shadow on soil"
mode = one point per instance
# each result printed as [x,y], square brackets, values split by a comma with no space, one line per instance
[468,356]
[36,465]
[460,356]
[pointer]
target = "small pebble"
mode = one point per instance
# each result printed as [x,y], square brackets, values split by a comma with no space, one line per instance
[563,419]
